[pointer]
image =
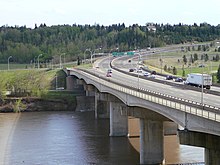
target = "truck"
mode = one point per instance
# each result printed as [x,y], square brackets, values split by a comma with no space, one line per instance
[199,80]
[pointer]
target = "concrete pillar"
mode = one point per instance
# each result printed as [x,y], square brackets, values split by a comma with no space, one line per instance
[212,157]
[102,106]
[69,83]
[118,120]
[211,143]
[90,90]
[85,103]
[103,109]
[151,142]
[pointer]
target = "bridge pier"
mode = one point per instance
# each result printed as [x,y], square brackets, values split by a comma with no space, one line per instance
[102,105]
[211,143]
[118,120]
[90,90]
[151,142]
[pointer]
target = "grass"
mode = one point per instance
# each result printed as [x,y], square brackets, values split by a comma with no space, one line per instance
[65,95]
[14,66]
[171,60]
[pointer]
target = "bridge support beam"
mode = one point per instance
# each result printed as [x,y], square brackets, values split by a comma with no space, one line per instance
[102,106]
[151,142]
[118,120]
[69,83]
[90,90]
[211,143]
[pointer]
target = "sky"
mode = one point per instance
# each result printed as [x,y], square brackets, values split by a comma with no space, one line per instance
[108,12]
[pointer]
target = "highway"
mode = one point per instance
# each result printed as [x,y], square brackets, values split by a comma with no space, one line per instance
[102,66]
[123,64]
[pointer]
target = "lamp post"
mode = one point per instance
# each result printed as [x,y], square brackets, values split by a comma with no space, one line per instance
[94,53]
[85,54]
[202,82]
[139,57]
[38,66]
[63,54]
[8,61]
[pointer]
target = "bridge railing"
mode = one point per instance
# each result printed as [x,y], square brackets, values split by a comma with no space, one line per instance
[192,107]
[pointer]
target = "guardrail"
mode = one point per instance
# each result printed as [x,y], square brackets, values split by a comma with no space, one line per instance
[167,82]
[203,110]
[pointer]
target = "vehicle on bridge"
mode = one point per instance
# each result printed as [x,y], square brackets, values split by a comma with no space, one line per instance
[199,80]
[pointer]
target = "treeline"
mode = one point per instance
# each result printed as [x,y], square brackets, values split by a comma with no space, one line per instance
[25,44]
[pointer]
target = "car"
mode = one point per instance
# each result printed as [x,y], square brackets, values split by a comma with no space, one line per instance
[129,60]
[154,72]
[139,70]
[169,77]
[201,65]
[108,75]
[131,70]
[109,71]
[146,74]
[179,79]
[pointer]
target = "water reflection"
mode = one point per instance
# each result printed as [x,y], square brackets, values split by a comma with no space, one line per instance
[69,138]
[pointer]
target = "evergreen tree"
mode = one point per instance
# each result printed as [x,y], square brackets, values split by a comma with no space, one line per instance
[184,59]
[206,57]
[218,75]
[174,71]
[217,58]
[195,56]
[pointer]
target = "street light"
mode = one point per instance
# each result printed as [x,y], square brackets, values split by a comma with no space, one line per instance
[202,82]
[139,57]
[38,61]
[8,61]
[63,54]
[85,54]
[94,53]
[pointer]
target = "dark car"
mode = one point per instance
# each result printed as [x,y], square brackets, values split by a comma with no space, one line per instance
[178,79]
[131,70]
[109,71]
[169,77]
[154,72]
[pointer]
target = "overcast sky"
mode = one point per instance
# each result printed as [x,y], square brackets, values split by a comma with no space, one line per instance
[108,12]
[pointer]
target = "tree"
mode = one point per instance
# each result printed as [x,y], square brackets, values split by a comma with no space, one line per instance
[184,59]
[165,68]
[174,71]
[218,75]
[191,59]
[206,57]
[195,56]
[217,58]
[184,73]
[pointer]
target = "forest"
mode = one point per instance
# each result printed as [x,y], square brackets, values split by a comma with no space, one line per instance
[25,44]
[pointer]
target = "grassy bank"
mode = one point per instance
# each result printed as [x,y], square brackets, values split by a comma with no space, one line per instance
[39,84]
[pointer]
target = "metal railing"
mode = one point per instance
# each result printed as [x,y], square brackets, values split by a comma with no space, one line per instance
[192,107]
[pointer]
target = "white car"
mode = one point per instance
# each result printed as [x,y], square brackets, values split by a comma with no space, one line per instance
[146,74]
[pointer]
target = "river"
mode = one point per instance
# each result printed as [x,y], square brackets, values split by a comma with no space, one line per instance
[75,138]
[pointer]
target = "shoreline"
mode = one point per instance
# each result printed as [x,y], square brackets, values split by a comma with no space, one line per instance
[27,104]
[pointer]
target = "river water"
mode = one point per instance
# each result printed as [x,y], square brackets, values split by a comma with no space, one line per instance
[75,138]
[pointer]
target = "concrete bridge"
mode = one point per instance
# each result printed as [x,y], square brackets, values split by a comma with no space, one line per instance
[200,123]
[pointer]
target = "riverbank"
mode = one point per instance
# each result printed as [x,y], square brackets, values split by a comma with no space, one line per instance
[31,104]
